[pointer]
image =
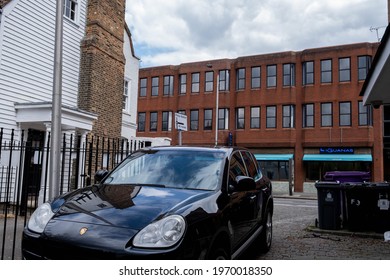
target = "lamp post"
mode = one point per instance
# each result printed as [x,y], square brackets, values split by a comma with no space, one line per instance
[209,65]
[55,153]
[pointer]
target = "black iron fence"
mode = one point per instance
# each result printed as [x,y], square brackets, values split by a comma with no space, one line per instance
[24,174]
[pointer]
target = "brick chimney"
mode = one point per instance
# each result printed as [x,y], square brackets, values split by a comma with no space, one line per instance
[102,66]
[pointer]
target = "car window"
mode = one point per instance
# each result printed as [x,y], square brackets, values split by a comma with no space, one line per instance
[251,165]
[173,168]
[236,168]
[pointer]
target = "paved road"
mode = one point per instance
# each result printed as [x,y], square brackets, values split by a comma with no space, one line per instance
[292,240]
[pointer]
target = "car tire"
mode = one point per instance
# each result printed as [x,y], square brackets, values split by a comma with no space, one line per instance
[265,237]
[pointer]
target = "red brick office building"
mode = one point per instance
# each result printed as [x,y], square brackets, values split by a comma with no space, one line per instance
[299,112]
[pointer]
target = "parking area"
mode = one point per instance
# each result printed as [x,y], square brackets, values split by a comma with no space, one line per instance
[297,238]
[294,237]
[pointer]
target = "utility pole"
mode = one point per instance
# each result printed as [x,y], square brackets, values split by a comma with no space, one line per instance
[55,152]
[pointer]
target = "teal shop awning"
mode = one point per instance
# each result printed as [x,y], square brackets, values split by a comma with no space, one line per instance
[337,157]
[273,156]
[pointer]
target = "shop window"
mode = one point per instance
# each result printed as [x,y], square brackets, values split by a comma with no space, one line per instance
[275,170]
[315,170]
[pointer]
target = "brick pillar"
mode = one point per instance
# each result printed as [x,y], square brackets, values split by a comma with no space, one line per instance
[102,66]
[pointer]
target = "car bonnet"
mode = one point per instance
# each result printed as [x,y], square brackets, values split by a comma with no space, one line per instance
[124,206]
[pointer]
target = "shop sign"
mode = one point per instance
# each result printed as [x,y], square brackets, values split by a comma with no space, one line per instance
[341,150]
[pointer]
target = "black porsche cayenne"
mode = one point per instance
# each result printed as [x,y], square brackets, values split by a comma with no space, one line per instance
[160,203]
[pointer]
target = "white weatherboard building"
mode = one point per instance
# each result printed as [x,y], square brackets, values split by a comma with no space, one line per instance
[27,41]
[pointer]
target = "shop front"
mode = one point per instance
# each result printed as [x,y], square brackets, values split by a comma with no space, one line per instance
[279,168]
[318,162]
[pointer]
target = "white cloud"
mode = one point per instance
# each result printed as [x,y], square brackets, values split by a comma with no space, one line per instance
[179,31]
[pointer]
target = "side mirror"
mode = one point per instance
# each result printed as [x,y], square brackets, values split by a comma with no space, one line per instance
[243,183]
[99,175]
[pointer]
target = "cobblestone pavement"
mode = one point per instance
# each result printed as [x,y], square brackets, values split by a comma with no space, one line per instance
[293,241]
[291,238]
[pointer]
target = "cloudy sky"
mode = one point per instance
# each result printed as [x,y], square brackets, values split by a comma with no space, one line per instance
[177,31]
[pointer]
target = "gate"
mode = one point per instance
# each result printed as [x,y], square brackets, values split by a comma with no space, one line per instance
[24,174]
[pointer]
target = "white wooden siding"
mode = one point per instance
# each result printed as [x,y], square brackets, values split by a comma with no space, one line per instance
[27,37]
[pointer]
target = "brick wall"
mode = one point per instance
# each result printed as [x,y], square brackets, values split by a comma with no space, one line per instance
[4,2]
[102,66]
[296,140]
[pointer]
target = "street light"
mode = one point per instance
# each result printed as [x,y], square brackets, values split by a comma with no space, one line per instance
[209,65]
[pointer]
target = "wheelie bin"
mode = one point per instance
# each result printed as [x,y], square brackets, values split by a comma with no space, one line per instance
[368,206]
[331,207]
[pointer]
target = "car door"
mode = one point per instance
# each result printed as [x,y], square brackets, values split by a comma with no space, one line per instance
[254,172]
[242,202]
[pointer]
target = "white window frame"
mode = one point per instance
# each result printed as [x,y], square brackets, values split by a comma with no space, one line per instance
[67,3]
[126,96]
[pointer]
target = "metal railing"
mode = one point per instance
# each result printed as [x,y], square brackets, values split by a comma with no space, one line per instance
[24,172]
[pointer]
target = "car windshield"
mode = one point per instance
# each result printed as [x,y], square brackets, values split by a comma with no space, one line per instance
[174,169]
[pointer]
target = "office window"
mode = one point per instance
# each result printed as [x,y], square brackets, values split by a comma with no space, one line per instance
[344,69]
[256,77]
[345,113]
[271,75]
[70,9]
[271,117]
[364,64]
[240,78]
[308,115]
[183,84]
[208,119]
[326,114]
[224,80]
[288,116]
[386,123]
[155,86]
[223,119]
[194,119]
[326,71]
[167,121]
[143,84]
[125,101]
[240,118]
[209,81]
[195,82]
[365,114]
[183,112]
[289,74]
[141,121]
[153,121]
[168,86]
[308,73]
[255,117]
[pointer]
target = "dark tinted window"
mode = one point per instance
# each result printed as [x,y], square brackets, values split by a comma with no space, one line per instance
[236,168]
[251,165]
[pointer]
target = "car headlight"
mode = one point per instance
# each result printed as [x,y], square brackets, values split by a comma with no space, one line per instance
[40,218]
[161,234]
